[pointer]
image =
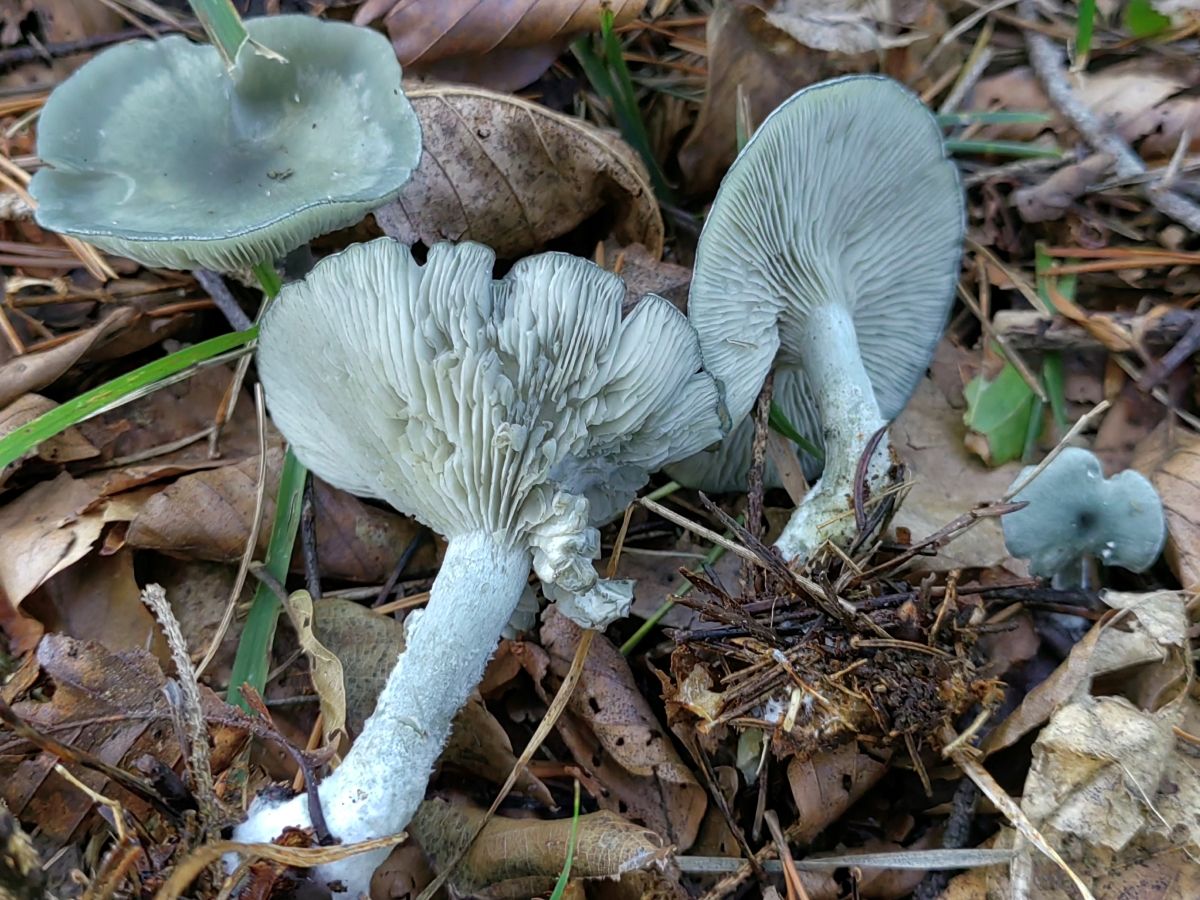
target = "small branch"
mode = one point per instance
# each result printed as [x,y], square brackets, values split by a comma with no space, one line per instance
[223,298]
[1046,57]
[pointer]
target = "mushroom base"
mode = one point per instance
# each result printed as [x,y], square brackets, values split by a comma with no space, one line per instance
[850,416]
[378,786]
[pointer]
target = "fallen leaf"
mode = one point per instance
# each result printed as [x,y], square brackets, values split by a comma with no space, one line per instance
[112,704]
[643,274]
[947,481]
[615,728]
[495,36]
[826,784]
[67,446]
[98,599]
[514,175]
[207,515]
[1170,458]
[33,371]
[999,414]
[1151,636]
[758,48]
[324,667]
[849,26]
[522,858]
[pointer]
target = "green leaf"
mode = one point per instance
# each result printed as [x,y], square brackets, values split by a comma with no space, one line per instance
[1142,20]
[122,389]
[1003,148]
[778,420]
[1005,411]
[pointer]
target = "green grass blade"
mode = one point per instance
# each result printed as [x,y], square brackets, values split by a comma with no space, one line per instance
[123,388]
[252,658]
[564,877]
[223,26]
[1085,27]
[996,117]
[1003,148]
[778,420]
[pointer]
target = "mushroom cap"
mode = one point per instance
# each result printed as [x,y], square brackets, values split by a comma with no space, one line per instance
[479,404]
[155,153]
[725,467]
[1073,510]
[843,195]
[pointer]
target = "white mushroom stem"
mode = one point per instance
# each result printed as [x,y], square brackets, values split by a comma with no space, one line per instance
[378,786]
[850,416]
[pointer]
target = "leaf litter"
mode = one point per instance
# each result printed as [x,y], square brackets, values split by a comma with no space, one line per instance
[853,703]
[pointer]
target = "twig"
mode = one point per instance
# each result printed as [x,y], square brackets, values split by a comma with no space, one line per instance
[221,296]
[308,540]
[406,557]
[706,533]
[1046,57]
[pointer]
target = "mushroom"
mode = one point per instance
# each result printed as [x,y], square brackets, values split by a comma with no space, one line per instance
[831,253]
[510,416]
[1073,512]
[154,150]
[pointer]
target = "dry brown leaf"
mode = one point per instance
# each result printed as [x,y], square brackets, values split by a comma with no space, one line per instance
[758,47]
[112,704]
[849,26]
[514,175]
[324,667]
[643,273]
[622,740]
[68,446]
[207,515]
[827,784]
[98,599]
[34,371]
[947,481]
[367,645]
[1170,458]
[507,42]
[45,530]
[521,858]
[1150,637]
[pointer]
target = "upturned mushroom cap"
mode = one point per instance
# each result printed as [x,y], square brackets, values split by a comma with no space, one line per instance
[1073,510]
[155,152]
[524,407]
[844,195]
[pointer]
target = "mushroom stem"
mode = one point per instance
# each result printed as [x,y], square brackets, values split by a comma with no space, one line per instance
[380,783]
[828,349]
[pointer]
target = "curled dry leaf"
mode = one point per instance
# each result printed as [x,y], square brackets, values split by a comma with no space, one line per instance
[612,731]
[366,646]
[1151,636]
[324,666]
[1170,458]
[34,371]
[523,858]
[511,41]
[112,704]
[69,446]
[207,515]
[768,49]
[514,175]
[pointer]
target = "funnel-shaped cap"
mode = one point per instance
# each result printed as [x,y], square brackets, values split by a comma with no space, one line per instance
[155,152]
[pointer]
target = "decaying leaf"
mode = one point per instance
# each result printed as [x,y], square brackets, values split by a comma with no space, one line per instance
[514,175]
[827,784]
[1151,635]
[611,730]
[112,704]
[366,646]
[207,515]
[764,49]
[947,481]
[513,41]
[523,857]
[1170,458]
[34,371]
[69,446]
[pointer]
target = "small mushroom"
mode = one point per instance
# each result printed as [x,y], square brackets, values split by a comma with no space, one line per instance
[510,416]
[154,150]
[1074,512]
[831,253]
